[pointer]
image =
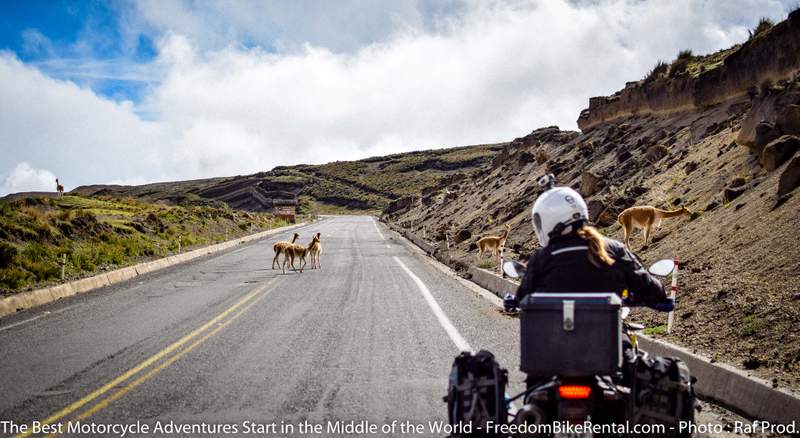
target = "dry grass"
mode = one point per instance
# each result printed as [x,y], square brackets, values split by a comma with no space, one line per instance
[104,233]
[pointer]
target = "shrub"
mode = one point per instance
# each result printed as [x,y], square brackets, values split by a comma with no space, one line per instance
[14,278]
[43,270]
[7,253]
[751,325]
[680,64]
[659,70]
[764,25]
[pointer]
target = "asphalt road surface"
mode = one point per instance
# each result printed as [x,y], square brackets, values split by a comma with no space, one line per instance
[228,342]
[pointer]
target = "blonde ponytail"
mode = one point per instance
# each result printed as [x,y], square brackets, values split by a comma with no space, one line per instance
[597,245]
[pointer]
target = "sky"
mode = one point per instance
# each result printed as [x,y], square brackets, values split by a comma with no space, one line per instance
[131,92]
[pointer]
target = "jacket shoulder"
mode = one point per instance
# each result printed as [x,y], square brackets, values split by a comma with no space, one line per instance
[615,246]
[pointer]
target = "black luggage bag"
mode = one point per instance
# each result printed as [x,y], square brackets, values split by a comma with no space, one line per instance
[476,393]
[664,392]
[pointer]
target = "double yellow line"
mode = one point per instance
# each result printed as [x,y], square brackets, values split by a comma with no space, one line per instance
[237,309]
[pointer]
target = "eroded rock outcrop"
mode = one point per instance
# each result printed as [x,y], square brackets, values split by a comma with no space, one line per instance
[769,57]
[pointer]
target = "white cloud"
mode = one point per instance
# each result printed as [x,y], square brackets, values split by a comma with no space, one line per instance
[493,72]
[25,178]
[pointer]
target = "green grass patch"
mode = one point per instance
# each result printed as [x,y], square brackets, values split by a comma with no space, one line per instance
[751,326]
[489,264]
[105,233]
[657,330]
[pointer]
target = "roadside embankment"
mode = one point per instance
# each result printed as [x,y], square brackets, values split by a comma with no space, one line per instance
[38,297]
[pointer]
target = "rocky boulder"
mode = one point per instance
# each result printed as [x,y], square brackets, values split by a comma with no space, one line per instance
[656,153]
[779,151]
[590,184]
[790,178]
[462,235]
[789,120]
[765,133]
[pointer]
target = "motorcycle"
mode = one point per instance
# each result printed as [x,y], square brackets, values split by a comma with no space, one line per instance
[585,382]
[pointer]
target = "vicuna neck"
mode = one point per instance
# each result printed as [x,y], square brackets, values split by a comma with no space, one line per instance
[670,213]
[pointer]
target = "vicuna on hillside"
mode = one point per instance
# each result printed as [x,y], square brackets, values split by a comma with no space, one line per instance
[494,244]
[645,217]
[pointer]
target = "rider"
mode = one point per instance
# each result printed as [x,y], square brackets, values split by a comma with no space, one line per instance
[576,258]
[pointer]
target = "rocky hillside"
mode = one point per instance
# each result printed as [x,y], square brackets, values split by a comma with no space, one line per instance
[367,185]
[730,158]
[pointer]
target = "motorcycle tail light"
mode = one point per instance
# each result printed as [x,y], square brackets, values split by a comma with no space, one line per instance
[574,391]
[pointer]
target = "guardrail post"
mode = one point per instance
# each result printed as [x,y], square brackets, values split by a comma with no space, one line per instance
[63,264]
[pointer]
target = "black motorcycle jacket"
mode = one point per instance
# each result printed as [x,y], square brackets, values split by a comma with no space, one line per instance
[564,266]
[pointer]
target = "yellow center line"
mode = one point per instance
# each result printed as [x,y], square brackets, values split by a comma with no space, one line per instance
[146,363]
[153,371]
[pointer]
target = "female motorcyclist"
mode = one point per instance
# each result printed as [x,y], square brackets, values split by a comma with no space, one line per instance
[576,258]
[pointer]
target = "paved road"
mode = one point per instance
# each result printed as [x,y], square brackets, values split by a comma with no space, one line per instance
[227,340]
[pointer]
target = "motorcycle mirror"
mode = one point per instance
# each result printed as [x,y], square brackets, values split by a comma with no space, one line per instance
[662,268]
[514,269]
[625,312]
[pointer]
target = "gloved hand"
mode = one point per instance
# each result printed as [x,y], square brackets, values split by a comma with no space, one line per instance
[510,303]
[665,306]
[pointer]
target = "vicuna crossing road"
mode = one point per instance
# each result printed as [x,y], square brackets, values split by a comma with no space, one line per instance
[228,341]
[370,336]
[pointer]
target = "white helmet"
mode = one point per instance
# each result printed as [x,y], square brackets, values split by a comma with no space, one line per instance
[555,211]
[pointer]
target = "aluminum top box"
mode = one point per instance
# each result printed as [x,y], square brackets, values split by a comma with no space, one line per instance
[570,334]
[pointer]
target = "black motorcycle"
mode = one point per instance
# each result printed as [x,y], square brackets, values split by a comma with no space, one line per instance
[584,377]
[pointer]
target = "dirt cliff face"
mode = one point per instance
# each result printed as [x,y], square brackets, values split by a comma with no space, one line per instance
[740,286]
[765,58]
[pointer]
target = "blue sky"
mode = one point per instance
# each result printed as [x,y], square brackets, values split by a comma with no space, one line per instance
[152,90]
[80,41]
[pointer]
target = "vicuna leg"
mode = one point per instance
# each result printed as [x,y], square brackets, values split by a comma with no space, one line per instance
[277,253]
[647,233]
[628,227]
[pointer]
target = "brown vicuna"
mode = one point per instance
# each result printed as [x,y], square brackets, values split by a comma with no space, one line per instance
[315,249]
[299,251]
[645,217]
[280,248]
[494,244]
[59,189]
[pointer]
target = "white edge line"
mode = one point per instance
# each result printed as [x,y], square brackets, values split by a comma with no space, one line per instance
[445,322]
[41,315]
[375,222]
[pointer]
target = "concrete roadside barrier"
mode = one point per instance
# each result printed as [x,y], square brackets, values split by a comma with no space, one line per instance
[492,282]
[38,297]
[721,383]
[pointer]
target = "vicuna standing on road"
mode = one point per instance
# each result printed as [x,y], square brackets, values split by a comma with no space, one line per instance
[299,251]
[280,248]
[645,217]
[59,189]
[315,249]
